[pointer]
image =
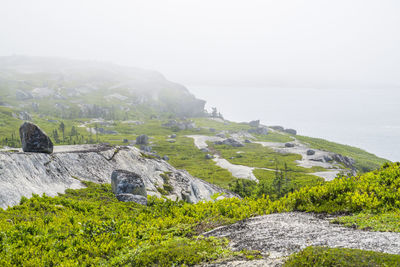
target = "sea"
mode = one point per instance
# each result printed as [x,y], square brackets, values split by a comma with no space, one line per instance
[364,118]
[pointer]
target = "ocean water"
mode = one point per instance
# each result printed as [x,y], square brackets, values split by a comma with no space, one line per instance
[365,118]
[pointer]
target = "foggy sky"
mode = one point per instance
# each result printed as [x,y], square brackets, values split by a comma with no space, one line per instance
[280,42]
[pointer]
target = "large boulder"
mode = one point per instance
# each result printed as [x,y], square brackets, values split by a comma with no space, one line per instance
[126,182]
[229,142]
[33,139]
[142,139]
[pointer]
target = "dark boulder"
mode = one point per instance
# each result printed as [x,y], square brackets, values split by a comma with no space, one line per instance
[33,139]
[310,152]
[126,182]
[165,157]
[247,141]
[173,136]
[289,145]
[142,139]
[208,156]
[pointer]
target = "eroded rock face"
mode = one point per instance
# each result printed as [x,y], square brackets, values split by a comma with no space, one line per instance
[22,174]
[126,182]
[33,139]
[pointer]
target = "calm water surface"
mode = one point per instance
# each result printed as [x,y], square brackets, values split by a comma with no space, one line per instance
[365,118]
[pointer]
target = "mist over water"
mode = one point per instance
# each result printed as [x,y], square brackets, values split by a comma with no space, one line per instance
[365,118]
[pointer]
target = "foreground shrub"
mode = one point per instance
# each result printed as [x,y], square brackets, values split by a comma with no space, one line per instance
[322,256]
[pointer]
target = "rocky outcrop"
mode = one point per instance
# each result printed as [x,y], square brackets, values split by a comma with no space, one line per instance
[281,234]
[33,139]
[259,130]
[254,123]
[229,142]
[24,174]
[290,131]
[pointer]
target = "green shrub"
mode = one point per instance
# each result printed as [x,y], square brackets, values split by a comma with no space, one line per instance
[341,257]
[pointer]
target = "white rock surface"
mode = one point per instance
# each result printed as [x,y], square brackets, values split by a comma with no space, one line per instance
[24,174]
[279,235]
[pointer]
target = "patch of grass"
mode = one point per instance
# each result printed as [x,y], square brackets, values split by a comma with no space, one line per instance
[274,137]
[383,222]
[184,155]
[256,155]
[323,256]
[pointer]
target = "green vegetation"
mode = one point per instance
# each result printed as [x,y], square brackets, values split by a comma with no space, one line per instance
[184,155]
[90,227]
[322,256]
[256,155]
[381,222]
[365,161]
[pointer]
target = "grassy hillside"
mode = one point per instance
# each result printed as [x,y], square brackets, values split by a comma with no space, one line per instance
[364,161]
[90,227]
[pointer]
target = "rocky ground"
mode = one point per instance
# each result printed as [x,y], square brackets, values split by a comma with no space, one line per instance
[277,236]
[22,174]
[245,172]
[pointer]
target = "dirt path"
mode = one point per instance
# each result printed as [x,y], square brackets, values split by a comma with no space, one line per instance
[279,235]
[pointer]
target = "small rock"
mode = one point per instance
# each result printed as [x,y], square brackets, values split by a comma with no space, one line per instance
[33,139]
[221,135]
[212,130]
[171,141]
[142,140]
[208,156]
[132,198]
[165,157]
[247,141]
[289,145]
[126,182]
[206,150]
[125,141]
[310,152]
[145,148]
[173,136]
